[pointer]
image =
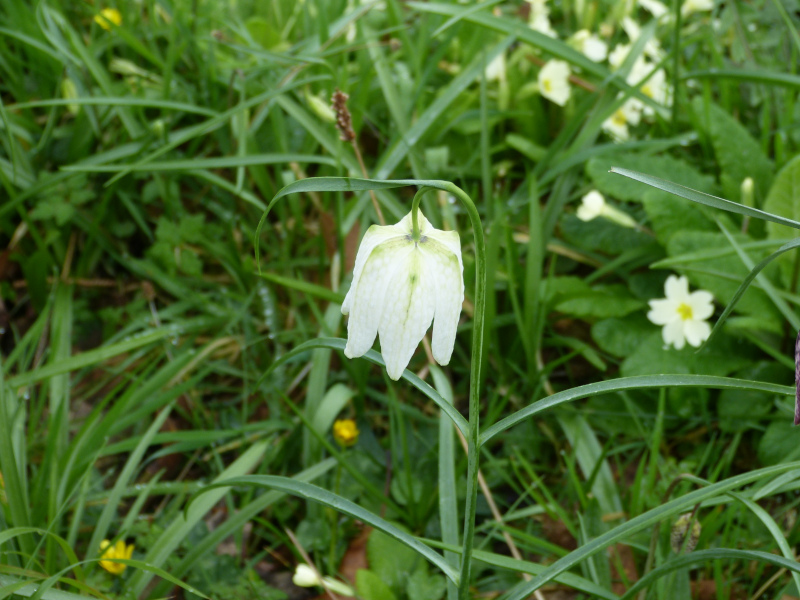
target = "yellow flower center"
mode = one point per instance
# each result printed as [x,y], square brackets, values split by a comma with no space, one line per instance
[619,118]
[685,311]
[648,91]
[548,85]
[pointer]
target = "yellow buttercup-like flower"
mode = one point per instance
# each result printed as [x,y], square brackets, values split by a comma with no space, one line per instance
[108,16]
[118,550]
[345,432]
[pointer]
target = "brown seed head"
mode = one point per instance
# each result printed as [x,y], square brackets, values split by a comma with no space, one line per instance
[344,122]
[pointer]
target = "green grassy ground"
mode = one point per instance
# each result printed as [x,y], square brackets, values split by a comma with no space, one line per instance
[136,160]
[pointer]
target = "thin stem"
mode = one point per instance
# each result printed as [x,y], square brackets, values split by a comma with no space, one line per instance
[415,234]
[474,387]
[676,62]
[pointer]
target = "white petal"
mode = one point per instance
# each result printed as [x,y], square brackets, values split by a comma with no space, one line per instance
[673,334]
[368,297]
[376,234]
[677,289]
[407,314]
[663,311]
[696,332]
[702,303]
[445,282]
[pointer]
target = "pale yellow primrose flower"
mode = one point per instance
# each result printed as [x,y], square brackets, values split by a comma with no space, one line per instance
[594,205]
[682,314]
[693,6]
[656,8]
[305,576]
[590,45]
[118,550]
[108,16]
[652,48]
[345,432]
[554,81]
[630,113]
[539,18]
[399,287]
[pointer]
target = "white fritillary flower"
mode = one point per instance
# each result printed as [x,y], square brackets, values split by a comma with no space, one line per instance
[399,286]
[590,45]
[554,81]
[682,314]
[594,205]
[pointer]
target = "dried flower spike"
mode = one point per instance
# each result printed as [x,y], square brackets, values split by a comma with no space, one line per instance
[344,122]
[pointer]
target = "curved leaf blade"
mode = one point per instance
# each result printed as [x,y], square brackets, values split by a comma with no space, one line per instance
[647,519]
[631,383]
[322,496]
[703,198]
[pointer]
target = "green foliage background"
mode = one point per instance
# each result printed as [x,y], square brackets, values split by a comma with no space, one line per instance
[135,328]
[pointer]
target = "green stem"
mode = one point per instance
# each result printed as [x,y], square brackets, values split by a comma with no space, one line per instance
[676,62]
[474,388]
[415,235]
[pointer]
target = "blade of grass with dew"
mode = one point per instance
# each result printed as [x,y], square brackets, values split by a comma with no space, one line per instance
[326,498]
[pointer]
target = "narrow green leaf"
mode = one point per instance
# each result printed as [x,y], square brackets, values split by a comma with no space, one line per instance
[701,558]
[749,75]
[312,289]
[375,358]
[648,519]
[703,198]
[631,383]
[326,498]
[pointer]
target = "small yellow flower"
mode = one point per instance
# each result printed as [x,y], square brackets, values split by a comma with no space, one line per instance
[118,550]
[345,432]
[108,16]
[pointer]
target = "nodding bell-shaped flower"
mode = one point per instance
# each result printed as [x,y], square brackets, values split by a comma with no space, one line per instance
[401,284]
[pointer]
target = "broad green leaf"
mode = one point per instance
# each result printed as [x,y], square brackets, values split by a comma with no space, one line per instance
[371,587]
[738,154]
[784,199]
